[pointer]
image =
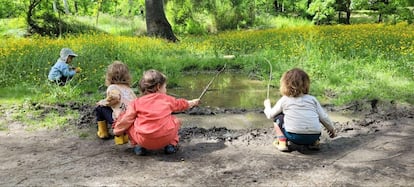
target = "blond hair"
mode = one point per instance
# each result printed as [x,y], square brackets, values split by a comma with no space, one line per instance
[294,83]
[151,81]
[118,73]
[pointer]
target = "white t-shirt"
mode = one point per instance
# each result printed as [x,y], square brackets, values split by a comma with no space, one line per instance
[303,114]
[118,96]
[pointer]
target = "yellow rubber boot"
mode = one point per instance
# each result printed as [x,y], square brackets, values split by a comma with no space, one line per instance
[102,130]
[119,140]
[126,139]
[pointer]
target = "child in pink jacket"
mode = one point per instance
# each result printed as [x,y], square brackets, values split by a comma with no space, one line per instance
[148,119]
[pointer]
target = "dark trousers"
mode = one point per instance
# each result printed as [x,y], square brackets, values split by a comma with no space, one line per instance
[62,81]
[301,139]
[104,113]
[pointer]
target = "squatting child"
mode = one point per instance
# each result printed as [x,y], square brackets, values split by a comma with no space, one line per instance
[61,72]
[149,120]
[118,95]
[297,115]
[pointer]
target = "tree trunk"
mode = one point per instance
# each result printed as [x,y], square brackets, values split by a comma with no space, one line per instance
[32,26]
[66,6]
[131,3]
[97,12]
[276,6]
[348,17]
[339,16]
[380,18]
[55,9]
[157,23]
[348,12]
[76,8]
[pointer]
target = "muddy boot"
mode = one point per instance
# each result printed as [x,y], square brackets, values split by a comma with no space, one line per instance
[102,130]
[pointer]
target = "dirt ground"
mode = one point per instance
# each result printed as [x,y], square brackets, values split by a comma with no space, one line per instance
[374,150]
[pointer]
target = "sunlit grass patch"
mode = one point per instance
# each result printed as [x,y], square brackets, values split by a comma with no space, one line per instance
[42,119]
[13,27]
[15,94]
[124,26]
[284,22]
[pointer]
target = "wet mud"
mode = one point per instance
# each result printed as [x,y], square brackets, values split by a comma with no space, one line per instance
[373,149]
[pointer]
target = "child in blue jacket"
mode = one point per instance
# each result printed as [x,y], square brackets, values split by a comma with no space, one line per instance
[61,72]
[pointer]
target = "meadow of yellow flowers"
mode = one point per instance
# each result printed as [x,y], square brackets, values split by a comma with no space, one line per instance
[354,61]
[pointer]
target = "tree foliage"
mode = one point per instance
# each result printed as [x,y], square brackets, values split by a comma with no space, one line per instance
[198,17]
[12,9]
[322,11]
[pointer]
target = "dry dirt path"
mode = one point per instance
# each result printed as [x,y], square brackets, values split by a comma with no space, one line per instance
[374,151]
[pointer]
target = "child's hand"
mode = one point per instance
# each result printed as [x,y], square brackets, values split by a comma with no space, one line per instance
[267,103]
[331,133]
[194,102]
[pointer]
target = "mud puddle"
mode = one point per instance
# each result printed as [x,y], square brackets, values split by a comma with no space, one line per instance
[248,120]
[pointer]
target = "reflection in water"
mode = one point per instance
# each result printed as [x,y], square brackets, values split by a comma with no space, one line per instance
[229,90]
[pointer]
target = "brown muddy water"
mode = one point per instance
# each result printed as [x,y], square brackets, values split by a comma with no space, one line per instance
[232,90]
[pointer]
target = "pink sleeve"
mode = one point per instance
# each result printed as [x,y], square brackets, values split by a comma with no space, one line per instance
[125,120]
[179,104]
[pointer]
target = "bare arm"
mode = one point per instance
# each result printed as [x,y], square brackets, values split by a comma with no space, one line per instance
[325,120]
[270,111]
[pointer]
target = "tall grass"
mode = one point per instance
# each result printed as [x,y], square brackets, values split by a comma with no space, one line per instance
[286,22]
[345,63]
[124,26]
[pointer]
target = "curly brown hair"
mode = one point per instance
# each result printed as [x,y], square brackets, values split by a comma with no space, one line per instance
[294,83]
[118,73]
[151,81]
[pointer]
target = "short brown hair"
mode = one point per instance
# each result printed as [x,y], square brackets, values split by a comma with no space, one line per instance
[151,81]
[117,73]
[294,83]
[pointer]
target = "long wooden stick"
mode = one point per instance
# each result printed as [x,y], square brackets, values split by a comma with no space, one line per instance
[211,81]
[270,78]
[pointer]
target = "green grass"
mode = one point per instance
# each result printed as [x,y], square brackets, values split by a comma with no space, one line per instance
[14,27]
[123,26]
[35,118]
[351,61]
[285,22]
